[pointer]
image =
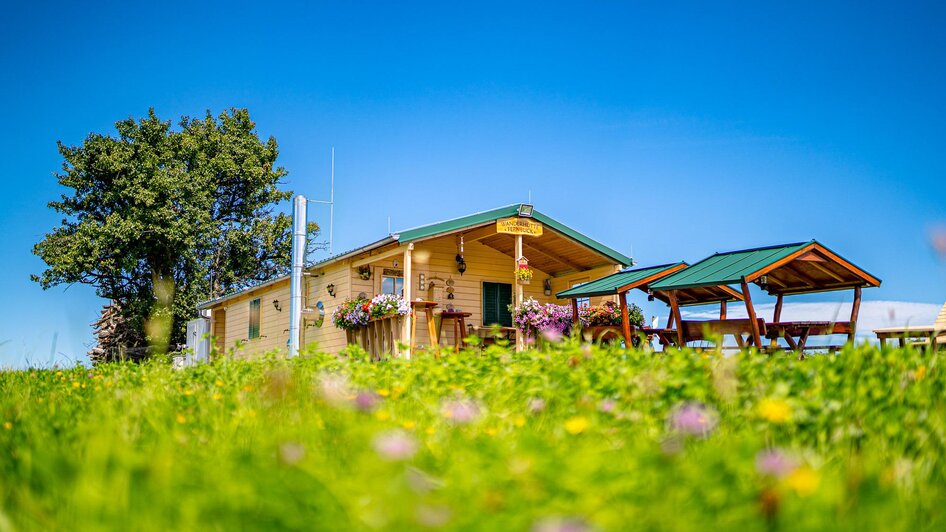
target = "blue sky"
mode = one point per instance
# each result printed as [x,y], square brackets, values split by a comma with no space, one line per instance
[668,132]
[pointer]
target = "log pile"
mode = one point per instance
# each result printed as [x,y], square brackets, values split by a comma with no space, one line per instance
[114,339]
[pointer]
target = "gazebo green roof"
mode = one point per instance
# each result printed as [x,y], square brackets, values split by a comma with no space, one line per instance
[609,285]
[791,268]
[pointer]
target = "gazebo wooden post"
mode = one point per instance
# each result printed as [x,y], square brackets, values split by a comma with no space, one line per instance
[777,315]
[669,320]
[575,321]
[855,309]
[675,313]
[722,309]
[625,320]
[753,322]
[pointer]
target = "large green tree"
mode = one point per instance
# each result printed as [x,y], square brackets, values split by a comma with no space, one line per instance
[158,218]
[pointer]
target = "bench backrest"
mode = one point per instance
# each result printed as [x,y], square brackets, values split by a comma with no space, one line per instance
[941,319]
[694,330]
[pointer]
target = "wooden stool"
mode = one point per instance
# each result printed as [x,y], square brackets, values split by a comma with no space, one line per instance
[427,308]
[459,322]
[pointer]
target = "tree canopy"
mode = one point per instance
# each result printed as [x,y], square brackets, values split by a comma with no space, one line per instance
[159,218]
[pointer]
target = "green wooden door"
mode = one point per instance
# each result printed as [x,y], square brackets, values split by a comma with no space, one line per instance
[496,300]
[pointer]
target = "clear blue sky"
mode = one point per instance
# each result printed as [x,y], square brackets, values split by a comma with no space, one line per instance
[667,132]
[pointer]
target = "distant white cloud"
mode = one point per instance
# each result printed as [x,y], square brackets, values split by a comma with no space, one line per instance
[872,315]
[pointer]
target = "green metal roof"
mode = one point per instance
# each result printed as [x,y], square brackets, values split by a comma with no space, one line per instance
[727,268]
[609,285]
[480,218]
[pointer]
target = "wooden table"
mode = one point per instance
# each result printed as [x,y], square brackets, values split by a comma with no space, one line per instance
[427,308]
[928,332]
[802,330]
[696,330]
[459,325]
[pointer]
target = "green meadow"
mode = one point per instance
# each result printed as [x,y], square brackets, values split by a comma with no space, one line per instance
[569,437]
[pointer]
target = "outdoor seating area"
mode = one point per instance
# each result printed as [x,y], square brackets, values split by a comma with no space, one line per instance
[931,336]
[779,271]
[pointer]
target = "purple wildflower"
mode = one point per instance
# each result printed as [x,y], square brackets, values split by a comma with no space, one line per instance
[536,405]
[395,445]
[694,419]
[607,406]
[461,411]
[775,463]
[366,401]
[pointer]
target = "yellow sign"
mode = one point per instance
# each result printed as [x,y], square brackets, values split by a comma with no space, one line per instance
[518,226]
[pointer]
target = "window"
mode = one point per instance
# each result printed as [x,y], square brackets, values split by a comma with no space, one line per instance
[254,319]
[496,300]
[392,281]
[582,301]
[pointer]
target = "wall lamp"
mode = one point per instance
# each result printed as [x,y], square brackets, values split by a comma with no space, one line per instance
[331,289]
[650,295]
[277,305]
[764,282]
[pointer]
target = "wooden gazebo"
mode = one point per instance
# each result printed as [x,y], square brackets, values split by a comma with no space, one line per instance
[620,283]
[788,269]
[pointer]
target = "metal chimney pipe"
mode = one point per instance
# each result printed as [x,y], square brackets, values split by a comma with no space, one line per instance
[295,276]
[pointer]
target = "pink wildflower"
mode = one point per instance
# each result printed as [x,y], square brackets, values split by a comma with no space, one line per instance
[461,411]
[775,463]
[395,445]
[694,419]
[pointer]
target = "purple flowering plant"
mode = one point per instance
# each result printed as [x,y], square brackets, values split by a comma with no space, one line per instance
[533,317]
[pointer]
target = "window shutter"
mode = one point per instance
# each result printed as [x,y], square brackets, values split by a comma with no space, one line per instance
[490,303]
[496,300]
[254,319]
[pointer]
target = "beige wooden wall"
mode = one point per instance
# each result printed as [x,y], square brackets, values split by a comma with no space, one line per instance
[433,258]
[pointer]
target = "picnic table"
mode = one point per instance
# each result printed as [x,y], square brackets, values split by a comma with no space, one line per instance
[796,333]
[926,333]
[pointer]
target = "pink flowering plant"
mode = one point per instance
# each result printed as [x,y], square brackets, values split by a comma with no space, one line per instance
[351,314]
[533,317]
[609,314]
[384,305]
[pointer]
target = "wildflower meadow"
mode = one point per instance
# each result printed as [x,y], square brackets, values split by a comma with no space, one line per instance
[569,437]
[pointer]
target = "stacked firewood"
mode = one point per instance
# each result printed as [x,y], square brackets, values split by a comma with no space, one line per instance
[113,337]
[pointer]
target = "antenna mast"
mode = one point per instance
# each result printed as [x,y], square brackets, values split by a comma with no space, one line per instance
[331,205]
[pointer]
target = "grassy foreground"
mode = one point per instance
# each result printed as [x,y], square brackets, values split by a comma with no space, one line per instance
[568,437]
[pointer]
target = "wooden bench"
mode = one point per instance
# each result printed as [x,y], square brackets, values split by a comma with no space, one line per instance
[694,330]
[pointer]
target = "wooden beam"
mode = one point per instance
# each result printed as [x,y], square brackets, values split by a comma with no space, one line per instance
[520,338]
[756,335]
[825,271]
[675,309]
[643,283]
[380,256]
[575,320]
[480,233]
[873,281]
[722,310]
[793,270]
[777,316]
[551,254]
[855,310]
[625,321]
[406,335]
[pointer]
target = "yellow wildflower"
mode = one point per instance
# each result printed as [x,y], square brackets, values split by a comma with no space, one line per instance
[919,373]
[409,425]
[803,480]
[382,415]
[59,374]
[75,384]
[519,421]
[775,410]
[188,392]
[397,391]
[490,431]
[7,425]
[430,431]
[216,396]
[383,392]
[576,425]
[181,419]
[218,382]
[247,388]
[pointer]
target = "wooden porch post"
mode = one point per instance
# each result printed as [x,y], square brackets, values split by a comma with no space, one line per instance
[777,316]
[722,309]
[575,320]
[625,320]
[520,337]
[855,309]
[406,330]
[753,322]
[675,314]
